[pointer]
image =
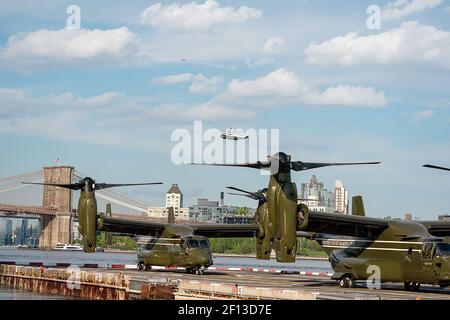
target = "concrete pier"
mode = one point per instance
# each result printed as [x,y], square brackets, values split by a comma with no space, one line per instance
[82,284]
[116,284]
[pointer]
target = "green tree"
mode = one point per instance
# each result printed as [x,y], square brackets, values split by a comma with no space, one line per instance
[241,211]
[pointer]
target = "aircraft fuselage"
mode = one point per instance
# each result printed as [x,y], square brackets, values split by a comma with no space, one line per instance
[391,257]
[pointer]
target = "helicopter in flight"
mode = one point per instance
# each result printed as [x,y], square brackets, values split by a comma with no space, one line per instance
[231,134]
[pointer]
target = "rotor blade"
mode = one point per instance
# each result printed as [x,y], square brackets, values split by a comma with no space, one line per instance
[254,195]
[241,190]
[72,186]
[436,167]
[256,165]
[251,196]
[99,186]
[301,166]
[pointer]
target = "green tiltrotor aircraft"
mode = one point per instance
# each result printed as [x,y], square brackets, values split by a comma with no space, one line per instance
[160,244]
[411,252]
[280,216]
[405,251]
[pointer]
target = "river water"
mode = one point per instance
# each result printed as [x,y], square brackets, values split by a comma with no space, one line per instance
[25,256]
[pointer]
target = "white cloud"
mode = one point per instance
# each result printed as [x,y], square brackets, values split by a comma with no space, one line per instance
[402,8]
[175,79]
[273,45]
[285,87]
[67,46]
[351,96]
[196,16]
[120,47]
[208,111]
[280,83]
[199,83]
[109,118]
[418,116]
[112,118]
[17,103]
[411,42]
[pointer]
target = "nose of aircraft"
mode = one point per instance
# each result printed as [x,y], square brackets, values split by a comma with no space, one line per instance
[447,268]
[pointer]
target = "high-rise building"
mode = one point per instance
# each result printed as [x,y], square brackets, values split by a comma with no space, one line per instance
[24,230]
[9,227]
[217,212]
[316,197]
[340,198]
[408,216]
[222,199]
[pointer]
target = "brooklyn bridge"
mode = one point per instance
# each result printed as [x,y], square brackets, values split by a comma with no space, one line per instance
[54,206]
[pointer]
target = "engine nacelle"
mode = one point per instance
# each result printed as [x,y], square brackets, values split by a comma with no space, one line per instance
[87,215]
[283,202]
[265,235]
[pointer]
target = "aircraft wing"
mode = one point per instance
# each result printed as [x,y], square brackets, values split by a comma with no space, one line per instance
[225,230]
[346,225]
[126,226]
[438,228]
[130,227]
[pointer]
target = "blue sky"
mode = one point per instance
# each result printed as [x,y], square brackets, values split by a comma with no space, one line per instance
[106,98]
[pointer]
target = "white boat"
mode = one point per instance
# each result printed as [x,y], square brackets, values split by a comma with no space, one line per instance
[68,247]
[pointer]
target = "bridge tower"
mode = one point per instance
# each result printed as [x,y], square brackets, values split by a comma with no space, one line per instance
[57,228]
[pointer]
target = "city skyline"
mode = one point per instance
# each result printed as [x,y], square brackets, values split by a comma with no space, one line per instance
[23,231]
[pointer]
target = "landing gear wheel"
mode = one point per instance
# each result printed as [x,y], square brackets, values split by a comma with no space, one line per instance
[408,286]
[412,286]
[200,271]
[141,266]
[415,286]
[442,286]
[346,282]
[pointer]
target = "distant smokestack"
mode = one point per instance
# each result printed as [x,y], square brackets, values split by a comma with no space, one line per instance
[222,195]
[171,215]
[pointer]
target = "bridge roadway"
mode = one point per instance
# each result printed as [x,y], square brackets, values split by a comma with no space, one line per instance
[319,287]
[10,209]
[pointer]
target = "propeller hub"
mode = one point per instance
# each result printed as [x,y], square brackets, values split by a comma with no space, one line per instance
[280,163]
[88,183]
[281,157]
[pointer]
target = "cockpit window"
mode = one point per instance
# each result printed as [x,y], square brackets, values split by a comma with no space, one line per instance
[443,249]
[204,244]
[427,251]
[191,243]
